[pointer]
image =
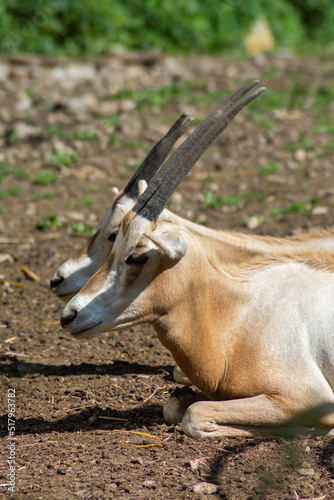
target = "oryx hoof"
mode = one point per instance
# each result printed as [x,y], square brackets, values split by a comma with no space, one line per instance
[179,377]
[178,403]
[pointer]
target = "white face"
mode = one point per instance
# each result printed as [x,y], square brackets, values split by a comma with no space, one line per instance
[73,274]
[123,292]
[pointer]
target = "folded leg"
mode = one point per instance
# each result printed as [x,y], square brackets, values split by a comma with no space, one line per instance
[248,417]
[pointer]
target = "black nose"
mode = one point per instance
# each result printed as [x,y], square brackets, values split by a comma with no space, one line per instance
[67,317]
[56,280]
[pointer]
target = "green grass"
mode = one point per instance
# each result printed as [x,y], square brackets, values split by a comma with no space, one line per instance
[173,202]
[271,168]
[47,194]
[157,99]
[86,135]
[118,143]
[7,169]
[296,207]
[85,202]
[51,222]
[325,125]
[30,93]
[12,191]
[48,222]
[261,219]
[134,166]
[234,200]
[263,120]
[59,158]
[271,100]
[78,228]
[293,458]
[45,177]
[88,28]
[298,93]
[80,135]
[111,120]
[304,142]
[324,97]
[308,144]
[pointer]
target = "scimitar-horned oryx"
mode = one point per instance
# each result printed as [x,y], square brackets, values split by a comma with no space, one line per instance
[255,338]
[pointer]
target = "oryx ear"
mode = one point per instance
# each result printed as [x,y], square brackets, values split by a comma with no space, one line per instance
[115,190]
[173,245]
[142,184]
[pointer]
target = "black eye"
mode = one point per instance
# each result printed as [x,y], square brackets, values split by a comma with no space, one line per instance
[112,237]
[136,259]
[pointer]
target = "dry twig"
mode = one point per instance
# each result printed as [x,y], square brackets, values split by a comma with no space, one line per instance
[12,283]
[30,273]
[138,433]
[153,393]
[114,418]
[155,445]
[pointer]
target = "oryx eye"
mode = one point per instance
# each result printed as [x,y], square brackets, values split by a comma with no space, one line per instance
[136,259]
[112,237]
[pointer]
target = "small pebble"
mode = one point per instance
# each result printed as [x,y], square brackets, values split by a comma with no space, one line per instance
[89,496]
[150,484]
[177,197]
[306,472]
[206,488]
[252,222]
[300,155]
[320,210]
[62,472]
[137,460]
[194,464]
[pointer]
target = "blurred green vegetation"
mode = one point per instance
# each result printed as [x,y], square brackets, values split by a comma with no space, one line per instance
[85,28]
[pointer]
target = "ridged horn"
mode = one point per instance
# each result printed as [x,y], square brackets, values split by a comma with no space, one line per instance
[157,156]
[151,203]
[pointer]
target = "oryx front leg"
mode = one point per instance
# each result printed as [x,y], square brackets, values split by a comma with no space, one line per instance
[249,417]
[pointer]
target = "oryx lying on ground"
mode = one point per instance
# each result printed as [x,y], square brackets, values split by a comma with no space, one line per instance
[256,338]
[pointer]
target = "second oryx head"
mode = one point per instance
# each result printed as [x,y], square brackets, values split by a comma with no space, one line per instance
[73,274]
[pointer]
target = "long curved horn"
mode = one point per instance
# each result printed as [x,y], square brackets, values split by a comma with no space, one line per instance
[157,156]
[151,203]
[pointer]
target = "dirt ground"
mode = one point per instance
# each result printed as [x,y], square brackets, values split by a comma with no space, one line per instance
[81,406]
